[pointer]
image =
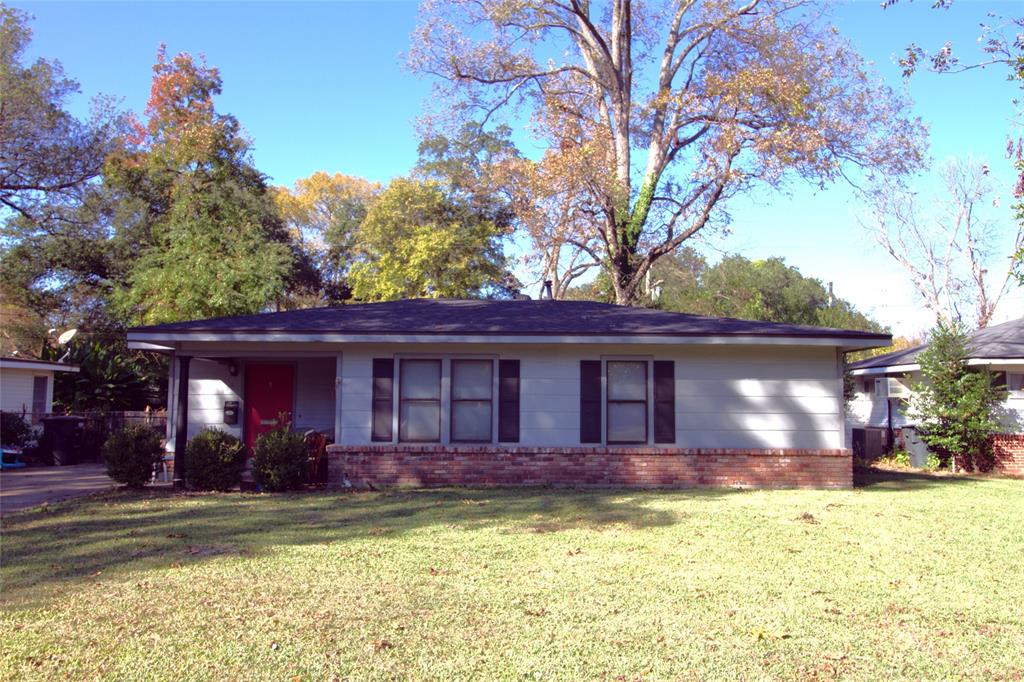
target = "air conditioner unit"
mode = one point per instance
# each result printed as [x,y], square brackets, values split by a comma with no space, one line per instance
[889,387]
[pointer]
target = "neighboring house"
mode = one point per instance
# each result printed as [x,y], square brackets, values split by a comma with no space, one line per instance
[522,392]
[26,386]
[876,414]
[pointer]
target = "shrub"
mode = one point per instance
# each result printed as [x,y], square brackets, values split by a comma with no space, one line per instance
[15,432]
[279,460]
[896,458]
[214,460]
[955,406]
[933,462]
[131,453]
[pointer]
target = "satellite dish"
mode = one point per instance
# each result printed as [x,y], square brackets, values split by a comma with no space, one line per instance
[66,336]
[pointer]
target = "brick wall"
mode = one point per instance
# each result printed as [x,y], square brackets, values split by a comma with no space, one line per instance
[1009,451]
[645,467]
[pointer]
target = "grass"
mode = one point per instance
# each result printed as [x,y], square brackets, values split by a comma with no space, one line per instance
[908,576]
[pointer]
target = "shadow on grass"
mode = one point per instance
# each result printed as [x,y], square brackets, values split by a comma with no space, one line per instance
[903,481]
[163,529]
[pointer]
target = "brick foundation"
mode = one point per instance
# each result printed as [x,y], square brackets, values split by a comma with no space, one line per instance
[643,467]
[1009,452]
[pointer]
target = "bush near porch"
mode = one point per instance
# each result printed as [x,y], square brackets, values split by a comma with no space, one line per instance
[908,576]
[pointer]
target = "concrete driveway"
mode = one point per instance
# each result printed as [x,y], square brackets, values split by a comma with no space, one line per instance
[23,488]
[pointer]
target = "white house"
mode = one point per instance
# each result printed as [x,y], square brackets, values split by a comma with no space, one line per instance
[442,392]
[26,386]
[877,416]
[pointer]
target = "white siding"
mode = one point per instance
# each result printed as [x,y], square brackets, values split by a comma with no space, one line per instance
[867,410]
[210,384]
[726,396]
[16,386]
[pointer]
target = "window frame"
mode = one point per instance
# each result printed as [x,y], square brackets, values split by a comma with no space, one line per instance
[452,400]
[646,402]
[446,376]
[439,400]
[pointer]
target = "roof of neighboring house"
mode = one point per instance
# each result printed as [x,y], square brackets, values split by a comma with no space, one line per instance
[459,317]
[999,342]
[45,365]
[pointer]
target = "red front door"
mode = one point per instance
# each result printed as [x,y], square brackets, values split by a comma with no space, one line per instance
[269,391]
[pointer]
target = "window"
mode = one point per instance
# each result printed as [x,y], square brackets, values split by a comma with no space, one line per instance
[419,411]
[627,401]
[39,386]
[383,394]
[472,388]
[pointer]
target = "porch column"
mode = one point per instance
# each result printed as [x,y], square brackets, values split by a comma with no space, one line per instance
[181,421]
[337,399]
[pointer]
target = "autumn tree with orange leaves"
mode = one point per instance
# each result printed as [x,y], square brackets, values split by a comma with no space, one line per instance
[217,245]
[652,116]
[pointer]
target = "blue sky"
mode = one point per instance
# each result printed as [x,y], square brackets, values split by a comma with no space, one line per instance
[321,86]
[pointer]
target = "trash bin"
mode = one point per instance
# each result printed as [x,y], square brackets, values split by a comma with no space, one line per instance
[62,436]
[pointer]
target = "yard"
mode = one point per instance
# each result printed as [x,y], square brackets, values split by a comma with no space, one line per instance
[906,576]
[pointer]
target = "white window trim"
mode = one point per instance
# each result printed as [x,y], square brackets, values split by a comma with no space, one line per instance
[649,360]
[446,394]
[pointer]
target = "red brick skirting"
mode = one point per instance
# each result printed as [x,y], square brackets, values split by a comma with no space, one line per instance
[643,467]
[1009,452]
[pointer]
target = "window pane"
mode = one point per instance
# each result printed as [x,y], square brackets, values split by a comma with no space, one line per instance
[627,422]
[421,379]
[627,380]
[471,379]
[420,422]
[471,420]
[39,385]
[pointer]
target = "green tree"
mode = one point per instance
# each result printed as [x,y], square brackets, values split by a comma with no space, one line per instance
[323,213]
[218,245]
[766,290]
[955,405]
[47,156]
[660,112]
[56,239]
[418,242]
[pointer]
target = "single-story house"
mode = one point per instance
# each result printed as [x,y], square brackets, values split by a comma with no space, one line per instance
[522,392]
[883,383]
[26,386]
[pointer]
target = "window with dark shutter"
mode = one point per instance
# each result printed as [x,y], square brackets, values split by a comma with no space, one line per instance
[626,391]
[590,401]
[419,401]
[664,401]
[383,397]
[508,401]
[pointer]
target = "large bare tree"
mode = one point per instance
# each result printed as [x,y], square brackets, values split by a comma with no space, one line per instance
[954,247]
[662,111]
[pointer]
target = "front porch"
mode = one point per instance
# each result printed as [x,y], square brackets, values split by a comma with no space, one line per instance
[247,395]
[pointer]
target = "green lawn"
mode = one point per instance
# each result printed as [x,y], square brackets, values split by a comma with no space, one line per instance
[907,576]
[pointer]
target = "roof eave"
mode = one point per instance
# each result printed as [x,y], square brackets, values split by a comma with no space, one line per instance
[165,341]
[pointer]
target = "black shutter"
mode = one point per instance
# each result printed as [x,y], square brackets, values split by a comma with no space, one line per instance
[383,394]
[590,401]
[664,401]
[508,401]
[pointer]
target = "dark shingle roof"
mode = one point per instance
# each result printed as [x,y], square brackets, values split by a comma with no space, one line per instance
[1004,340]
[472,317]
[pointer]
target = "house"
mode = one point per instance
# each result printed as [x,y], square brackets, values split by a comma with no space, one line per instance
[522,392]
[26,386]
[877,412]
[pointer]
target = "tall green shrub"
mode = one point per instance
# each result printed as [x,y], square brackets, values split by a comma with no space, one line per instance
[214,460]
[131,453]
[279,460]
[955,405]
